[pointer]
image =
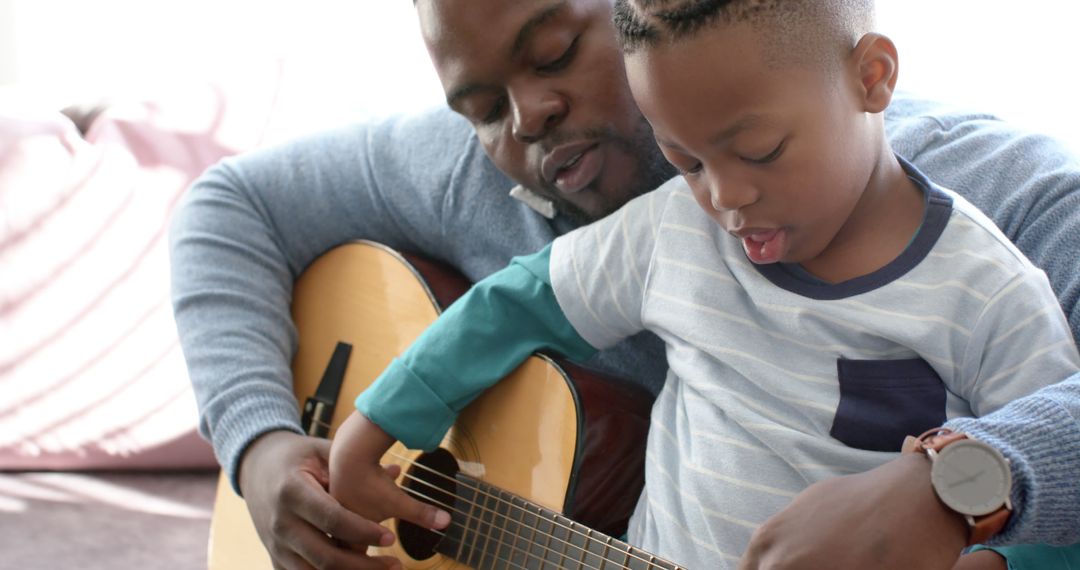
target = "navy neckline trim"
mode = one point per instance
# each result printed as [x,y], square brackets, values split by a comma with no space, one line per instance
[937,207]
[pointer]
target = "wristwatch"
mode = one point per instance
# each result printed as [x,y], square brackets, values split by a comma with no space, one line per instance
[970,477]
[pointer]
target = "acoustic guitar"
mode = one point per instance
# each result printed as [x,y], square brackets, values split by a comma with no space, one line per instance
[538,473]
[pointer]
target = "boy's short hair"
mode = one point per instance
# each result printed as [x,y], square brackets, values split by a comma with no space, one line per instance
[796,31]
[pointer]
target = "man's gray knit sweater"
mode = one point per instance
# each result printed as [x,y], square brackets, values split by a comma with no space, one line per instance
[252,224]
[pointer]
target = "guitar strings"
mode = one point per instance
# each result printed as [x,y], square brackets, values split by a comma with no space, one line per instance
[506,517]
[651,560]
[491,525]
[461,542]
[500,542]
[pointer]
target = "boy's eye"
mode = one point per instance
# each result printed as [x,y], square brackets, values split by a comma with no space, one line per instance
[563,60]
[773,155]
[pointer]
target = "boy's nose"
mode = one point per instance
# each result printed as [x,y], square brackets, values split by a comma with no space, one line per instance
[730,195]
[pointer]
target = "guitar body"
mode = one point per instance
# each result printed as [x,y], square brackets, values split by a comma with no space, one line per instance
[551,433]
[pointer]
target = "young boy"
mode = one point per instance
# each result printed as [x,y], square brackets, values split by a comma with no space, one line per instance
[819,298]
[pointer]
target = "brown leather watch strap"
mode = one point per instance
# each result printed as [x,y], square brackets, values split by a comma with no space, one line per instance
[988,525]
[940,438]
[980,528]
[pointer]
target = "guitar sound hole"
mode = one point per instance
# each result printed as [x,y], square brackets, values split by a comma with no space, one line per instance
[430,480]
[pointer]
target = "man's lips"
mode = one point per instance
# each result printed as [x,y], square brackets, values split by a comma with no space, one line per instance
[571,167]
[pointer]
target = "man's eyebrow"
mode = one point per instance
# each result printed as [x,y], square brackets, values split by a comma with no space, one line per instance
[538,19]
[523,36]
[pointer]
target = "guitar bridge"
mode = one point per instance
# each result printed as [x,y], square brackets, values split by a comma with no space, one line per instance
[319,409]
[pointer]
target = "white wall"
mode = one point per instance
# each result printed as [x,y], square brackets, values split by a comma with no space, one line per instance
[7,42]
[1018,59]
[361,56]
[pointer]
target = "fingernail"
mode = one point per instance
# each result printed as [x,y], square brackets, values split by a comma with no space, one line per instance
[386,539]
[442,518]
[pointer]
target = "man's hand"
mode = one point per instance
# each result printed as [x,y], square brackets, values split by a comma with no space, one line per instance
[888,518]
[284,479]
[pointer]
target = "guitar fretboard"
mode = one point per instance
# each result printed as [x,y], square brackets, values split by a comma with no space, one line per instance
[494,529]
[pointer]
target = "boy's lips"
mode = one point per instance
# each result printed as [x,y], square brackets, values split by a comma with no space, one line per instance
[571,167]
[764,246]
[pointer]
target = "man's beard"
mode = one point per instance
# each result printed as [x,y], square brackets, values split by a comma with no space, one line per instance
[652,171]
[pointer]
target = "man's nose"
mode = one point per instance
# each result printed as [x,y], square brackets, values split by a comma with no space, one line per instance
[729,194]
[536,112]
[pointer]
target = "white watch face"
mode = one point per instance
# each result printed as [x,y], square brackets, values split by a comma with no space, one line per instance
[971,477]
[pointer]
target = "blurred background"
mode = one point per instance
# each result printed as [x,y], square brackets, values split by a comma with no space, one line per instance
[341,59]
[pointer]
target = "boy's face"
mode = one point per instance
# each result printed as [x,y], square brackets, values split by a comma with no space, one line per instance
[778,155]
[542,83]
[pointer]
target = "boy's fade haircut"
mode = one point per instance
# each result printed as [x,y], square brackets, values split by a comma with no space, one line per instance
[795,31]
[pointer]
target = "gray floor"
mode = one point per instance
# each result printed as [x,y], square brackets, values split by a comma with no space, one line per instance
[105,520]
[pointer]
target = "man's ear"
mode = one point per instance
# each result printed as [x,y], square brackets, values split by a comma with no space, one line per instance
[878,65]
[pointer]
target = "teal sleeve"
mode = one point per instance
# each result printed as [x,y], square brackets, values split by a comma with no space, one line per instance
[480,338]
[1038,556]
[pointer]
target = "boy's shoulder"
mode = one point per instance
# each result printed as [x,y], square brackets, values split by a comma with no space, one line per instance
[972,230]
[656,204]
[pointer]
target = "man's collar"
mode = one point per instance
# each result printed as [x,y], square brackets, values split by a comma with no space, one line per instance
[541,205]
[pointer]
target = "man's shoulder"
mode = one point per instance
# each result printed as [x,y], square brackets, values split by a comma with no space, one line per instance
[908,110]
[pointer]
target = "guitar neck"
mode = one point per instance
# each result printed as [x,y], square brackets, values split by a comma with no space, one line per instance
[492,528]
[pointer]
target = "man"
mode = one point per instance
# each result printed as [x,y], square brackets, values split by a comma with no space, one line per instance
[542,85]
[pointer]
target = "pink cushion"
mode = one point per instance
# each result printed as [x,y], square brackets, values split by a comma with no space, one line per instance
[91,374]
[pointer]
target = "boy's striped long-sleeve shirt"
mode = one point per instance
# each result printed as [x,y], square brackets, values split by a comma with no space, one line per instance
[776,379]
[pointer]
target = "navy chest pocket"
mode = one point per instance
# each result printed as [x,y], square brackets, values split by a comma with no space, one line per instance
[881,401]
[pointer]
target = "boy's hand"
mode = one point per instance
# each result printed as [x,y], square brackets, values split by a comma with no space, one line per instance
[368,489]
[888,518]
[284,479]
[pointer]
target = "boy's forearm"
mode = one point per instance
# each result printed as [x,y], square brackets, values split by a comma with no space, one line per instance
[480,339]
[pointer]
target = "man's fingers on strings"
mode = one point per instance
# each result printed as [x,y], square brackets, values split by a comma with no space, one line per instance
[321,552]
[291,561]
[355,530]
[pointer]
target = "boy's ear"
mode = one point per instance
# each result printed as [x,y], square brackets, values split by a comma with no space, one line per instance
[878,65]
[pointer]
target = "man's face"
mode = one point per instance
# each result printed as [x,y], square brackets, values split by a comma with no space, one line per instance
[542,82]
[778,154]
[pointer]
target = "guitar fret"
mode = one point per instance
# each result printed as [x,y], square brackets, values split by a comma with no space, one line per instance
[604,556]
[508,527]
[548,535]
[626,559]
[574,538]
[588,542]
[469,518]
[485,518]
[530,521]
[640,560]
[595,548]
[565,540]
[498,521]
[527,544]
